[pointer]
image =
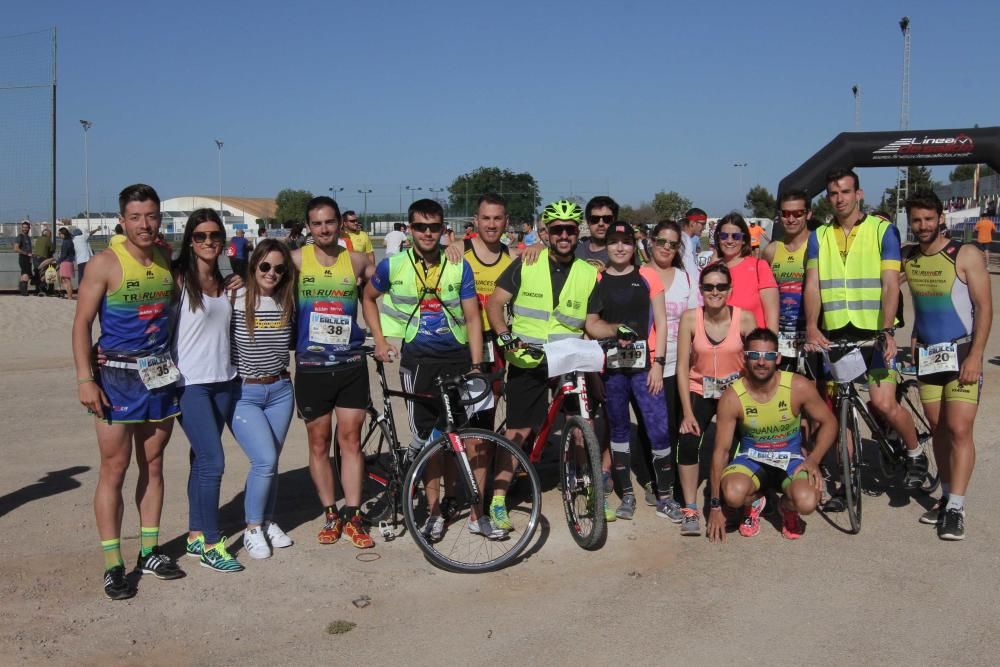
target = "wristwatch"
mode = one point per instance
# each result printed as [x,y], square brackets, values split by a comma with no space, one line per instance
[660,360]
[714,503]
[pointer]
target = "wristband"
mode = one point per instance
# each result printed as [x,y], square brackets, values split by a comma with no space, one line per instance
[660,360]
[480,366]
[80,381]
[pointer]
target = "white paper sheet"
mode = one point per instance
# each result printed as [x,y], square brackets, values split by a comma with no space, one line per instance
[573,354]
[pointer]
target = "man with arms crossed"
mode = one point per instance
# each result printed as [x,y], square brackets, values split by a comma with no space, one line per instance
[133,392]
[953,311]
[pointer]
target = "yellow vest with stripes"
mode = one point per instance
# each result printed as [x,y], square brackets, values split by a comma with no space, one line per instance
[399,313]
[851,290]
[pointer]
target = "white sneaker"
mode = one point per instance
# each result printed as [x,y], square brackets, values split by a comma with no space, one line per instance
[433,528]
[255,544]
[278,538]
[485,528]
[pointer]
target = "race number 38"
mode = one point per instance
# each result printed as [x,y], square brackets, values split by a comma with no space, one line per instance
[329,329]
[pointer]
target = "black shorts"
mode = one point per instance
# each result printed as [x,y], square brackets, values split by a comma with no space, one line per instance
[418,377]
[317,393]
[24,263]
[527,396]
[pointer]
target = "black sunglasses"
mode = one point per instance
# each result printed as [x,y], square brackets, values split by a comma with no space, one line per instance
[434,227]
[736,236]
[201,237]
[559,230]
[715,287]
[606,219]
[661,243]
[280,269]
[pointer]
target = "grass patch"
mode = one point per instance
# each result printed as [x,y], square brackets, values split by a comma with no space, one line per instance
[340,627]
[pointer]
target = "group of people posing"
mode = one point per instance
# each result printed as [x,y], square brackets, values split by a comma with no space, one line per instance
[724,342]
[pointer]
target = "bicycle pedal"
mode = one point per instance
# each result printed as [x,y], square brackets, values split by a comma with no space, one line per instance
[386,530]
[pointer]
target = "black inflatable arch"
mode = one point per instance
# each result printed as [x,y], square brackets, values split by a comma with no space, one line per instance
[895,149]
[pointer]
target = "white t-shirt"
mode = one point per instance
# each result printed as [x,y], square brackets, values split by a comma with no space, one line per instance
[690,246]
[201,347]
[393,241]
[682,295]
[82,247]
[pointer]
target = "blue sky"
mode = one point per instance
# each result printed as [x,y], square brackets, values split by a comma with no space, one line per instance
[634,97]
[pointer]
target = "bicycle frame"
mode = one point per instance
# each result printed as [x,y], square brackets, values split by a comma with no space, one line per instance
[578,386]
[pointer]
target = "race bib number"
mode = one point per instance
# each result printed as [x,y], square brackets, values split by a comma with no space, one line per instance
[157,371]
[630,357]
[778,459]
[713,387]
[940,358]
[787,345]
[328,329]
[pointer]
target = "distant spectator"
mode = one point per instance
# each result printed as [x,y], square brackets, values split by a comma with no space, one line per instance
[395,240]
[295,239]
[41,250]
[119,236]
[469,232]
[23,248]
[530,235]
[67,256]
[357,239]
[238,250]
[81,243]
[984,236]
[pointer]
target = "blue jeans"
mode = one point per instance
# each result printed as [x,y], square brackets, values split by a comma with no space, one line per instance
[260,422]
[204,409]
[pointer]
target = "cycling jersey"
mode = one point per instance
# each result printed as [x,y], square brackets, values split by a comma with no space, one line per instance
[135,317]
[327,296]
[485,275]
[941,301]
[789,269]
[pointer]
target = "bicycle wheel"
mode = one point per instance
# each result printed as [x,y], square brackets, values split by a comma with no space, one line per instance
[908,396]
[439,471]
[376,491]
[581,483]
[850,463]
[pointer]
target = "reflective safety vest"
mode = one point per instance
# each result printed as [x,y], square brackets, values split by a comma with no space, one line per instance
[851,290]
[399,313]
[535,321]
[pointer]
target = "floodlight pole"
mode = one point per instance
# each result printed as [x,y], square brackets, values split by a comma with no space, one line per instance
[86,124]
[365,192]
[219,142]
[740,166]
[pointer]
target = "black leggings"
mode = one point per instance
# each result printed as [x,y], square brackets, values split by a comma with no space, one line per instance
[689,445]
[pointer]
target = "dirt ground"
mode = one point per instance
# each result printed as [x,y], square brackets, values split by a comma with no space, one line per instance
[893,594]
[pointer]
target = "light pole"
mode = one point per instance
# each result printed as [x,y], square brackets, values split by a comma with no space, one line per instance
[413,192]
[86,169]
[435,191]
[741,166]
[365,192]
[856,89]
[334,191]
[219,142]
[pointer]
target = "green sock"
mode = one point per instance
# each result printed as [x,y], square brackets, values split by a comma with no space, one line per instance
[499,499]
[112,553]
[148,537]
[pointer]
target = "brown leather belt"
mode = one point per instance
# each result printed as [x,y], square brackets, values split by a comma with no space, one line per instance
[267,379]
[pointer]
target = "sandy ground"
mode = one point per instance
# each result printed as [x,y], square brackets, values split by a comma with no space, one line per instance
[890,595]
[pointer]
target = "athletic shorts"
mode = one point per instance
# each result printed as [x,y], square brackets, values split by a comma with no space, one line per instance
[317,393]
[764,475]
[418,378]
[528,395]
[946,387]
[24,263]
[983,246]
[131,402]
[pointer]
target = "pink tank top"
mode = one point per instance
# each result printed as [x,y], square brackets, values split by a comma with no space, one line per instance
[715,367]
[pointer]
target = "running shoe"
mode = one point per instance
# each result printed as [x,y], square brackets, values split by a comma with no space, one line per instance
[609,514]
[751,517]
[792,525]
[650,494]
[499,516]
[357,533]
[691,523]
[276,537]
[916,471]
[485,528]
[932,516]
[433,528]
[159,565]
[220,560]
[668,508]
[255,543]
[116,586]
[626,510]
[195,547]
[952,526]
[333,526]
[836,503]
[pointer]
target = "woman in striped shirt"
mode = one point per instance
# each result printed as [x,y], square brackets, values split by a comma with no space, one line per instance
[261,333]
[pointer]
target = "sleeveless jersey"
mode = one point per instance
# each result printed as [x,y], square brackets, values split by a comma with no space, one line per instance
[135,317]
[789,272]
[327,296]
[772,426]
[486,275]
[716,366]
[941,301]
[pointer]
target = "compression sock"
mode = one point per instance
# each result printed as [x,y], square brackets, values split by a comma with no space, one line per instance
[945,489]
[620,467]
[112,553]
[148,537]
[956,503]
[499,499]
[664,475]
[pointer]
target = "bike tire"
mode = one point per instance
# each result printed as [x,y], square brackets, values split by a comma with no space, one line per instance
[581,484]
[459,550]
[908,396]
[850,464]
[378,484]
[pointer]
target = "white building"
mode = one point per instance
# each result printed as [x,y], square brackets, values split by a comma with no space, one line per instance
[246,213]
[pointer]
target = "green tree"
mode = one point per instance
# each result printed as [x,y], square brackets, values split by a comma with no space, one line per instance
[919,178]
[292,205]
[822,210]
[967,172]
[761,202]
[643,214]
[519,189]
[670,205]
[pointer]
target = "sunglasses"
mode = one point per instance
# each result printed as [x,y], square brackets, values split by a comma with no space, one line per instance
[666,243]
[560,230]
[596,219]
[754,355]
[265,267]
[736,236]
[708,288]
[793,214]
[202,237]
[421,227]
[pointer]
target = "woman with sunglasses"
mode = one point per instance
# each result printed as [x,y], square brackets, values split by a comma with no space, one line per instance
[202,353]
[754,287]
[709,359]
[260,335]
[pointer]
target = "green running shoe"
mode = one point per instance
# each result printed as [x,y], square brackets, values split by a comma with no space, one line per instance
[195,547]
[499,516]
[609,514]
[220,560]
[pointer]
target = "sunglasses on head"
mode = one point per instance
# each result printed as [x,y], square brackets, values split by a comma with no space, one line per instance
[715,287]
[754,355]
[666,243]
[434,227]
[793,214]
[264,267]
[559,230]
[595,219]
[201,237]
[736,236]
